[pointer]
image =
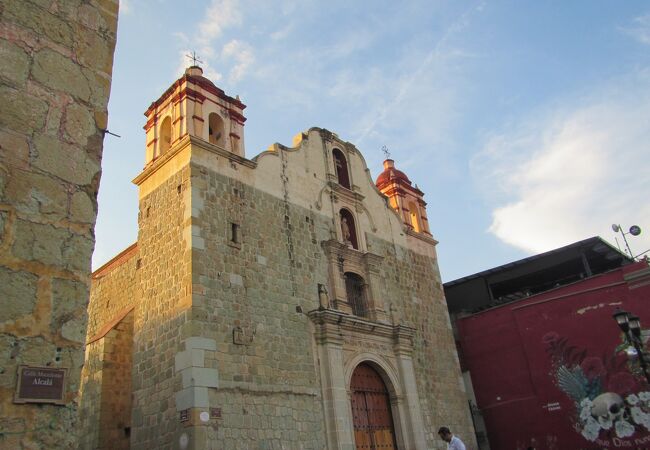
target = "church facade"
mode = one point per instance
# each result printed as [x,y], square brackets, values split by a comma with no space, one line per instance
[285,301]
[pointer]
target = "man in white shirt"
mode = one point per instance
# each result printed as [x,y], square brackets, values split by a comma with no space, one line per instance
[453,443]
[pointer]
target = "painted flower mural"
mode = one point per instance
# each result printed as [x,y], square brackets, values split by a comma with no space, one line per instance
[607,397]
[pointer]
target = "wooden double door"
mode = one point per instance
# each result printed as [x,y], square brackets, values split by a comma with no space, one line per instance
[373,421]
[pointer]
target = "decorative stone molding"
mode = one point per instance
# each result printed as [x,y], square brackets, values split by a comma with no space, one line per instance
[422,236]
[343,342]
[342,259]
[344,195]
[332,324]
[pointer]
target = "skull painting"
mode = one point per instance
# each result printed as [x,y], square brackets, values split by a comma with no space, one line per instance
[608,406]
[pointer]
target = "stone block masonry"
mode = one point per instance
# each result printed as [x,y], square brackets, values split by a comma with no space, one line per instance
[241,287]
[55,79]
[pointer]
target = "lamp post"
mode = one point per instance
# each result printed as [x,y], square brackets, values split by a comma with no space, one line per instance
[635,230]
[630,325]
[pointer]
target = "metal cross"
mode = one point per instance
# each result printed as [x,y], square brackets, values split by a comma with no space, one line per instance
[386,152]
[194,58]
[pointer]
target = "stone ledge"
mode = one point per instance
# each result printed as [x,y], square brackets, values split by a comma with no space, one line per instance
[200,376]
[200,343]
[189,358]
[193,397]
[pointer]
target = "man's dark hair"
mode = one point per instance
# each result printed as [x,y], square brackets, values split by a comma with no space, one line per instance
[444,430]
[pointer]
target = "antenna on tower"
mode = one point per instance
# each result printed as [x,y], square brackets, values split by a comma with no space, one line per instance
[194,58]
[386,152]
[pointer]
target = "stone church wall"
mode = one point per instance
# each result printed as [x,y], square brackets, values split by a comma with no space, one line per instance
[254,294]
[163,315]
[412,282]
[107,372]
[54,83]
[234,346]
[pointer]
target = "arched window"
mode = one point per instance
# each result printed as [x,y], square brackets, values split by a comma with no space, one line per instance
[355,288]
[415,217]
[341,167]
[216,130]
[348,229]
[165,135]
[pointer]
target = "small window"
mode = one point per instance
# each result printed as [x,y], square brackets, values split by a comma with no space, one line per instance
[216,130]
[165,136]
[355,288]
[235,234]
[341,167]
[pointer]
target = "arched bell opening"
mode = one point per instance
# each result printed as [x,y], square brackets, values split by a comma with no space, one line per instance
[216,133]
[415,217]
[165,136]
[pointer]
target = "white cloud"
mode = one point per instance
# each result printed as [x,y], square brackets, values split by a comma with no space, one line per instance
[182,37]
[436,59]
[242,55]
[640,29]
[220,15]
[572,172]
[282,33]
[348,44]
[125,7]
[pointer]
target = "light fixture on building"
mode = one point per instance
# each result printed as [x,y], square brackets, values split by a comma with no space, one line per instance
[634,230]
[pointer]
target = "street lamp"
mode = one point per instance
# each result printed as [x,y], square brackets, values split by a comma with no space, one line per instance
[635,230]
[630,325]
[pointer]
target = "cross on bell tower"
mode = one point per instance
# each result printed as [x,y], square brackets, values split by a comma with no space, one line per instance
[195,59]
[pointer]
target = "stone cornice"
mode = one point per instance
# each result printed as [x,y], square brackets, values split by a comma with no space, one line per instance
[337,250]
[116,261]
[181,145]
[424,236]
[346,195]
[332,326]
[184,81]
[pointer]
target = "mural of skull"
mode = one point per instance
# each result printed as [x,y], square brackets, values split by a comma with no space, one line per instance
[608,406]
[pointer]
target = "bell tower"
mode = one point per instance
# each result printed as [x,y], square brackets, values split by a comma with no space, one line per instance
[404,198]
[194,106]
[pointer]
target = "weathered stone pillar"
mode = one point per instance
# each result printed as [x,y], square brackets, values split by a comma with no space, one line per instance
[336,402]
[54,83]
[414,438]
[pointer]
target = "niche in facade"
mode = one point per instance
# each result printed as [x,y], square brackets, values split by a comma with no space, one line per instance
[348,229]
[216,130]
[341,167]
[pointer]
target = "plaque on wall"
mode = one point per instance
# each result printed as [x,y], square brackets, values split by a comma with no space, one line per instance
[184,415]
[40,385]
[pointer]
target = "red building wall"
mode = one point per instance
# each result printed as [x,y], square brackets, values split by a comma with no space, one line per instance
[535,361]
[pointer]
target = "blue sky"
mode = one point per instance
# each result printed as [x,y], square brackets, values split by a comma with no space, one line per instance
[526,123]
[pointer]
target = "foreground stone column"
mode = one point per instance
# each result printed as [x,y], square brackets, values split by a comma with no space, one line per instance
[54,81]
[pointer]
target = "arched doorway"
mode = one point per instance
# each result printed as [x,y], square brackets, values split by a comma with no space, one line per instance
[373,420]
